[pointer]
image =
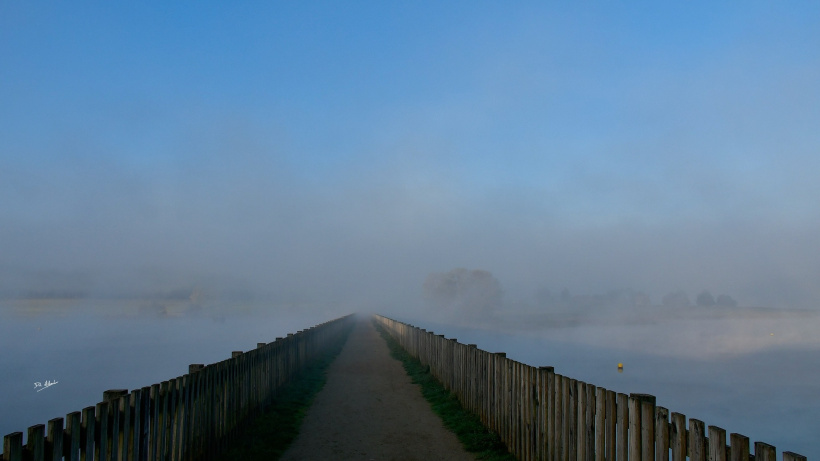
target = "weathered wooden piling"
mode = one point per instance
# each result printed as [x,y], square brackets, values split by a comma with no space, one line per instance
[191,417]
[541,415]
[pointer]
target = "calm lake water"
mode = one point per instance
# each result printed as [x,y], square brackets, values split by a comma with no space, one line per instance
[90,346]
[753,372]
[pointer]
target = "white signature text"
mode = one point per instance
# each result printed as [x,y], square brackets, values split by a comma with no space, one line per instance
[45,386]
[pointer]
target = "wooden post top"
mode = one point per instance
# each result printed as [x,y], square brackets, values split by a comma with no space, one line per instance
[194,367]
[644,398]
[235,354]
[112,394]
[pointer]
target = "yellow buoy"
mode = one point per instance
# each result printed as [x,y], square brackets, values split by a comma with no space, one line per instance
[620,367]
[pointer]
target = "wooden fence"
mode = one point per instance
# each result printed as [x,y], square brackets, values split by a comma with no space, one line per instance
[191,417]
[541,415]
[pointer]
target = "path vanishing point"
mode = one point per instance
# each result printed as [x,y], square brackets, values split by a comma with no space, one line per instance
[369,409]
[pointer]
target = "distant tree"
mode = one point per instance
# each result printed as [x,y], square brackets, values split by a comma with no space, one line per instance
[676,299]
[726,300]
[705,299]
[463,291]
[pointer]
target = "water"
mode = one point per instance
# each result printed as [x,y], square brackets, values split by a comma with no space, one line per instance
[756,373]
[91,346]
[725,369]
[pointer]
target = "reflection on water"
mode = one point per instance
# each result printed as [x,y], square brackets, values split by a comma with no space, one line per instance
[714,368]
[87,347]
[729,371]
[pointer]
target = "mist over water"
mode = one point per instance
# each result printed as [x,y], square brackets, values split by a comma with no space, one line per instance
[559,179]
[764,387]
[88,347]
[751,371]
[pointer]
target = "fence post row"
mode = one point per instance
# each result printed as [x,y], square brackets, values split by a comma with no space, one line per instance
[544,416]
[191,417]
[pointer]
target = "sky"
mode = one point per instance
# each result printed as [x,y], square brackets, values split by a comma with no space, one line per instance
[339,152]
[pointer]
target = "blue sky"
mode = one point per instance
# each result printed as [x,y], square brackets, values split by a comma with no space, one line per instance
[336,149]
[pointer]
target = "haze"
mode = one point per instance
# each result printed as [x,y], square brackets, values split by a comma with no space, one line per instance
[338,153]
[180,181]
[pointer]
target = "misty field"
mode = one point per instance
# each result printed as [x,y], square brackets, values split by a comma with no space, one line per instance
[752,371]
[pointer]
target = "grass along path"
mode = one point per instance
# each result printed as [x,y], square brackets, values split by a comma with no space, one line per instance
[272,433]
[475,437]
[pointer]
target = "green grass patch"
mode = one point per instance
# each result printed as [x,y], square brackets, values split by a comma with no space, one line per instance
[270,434]
[475,437]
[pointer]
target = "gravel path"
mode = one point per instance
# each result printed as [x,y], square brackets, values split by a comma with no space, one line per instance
[370,410]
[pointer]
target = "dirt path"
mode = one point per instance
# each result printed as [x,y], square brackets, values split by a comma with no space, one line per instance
[370,410]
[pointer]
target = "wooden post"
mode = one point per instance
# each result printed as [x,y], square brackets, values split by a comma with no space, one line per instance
[590,426]
[697,440]
[635,429]
[678,440]
[717,444]
[88,430]
[152,439]
[647,425]
[559,433]
[662,434]
[765,452]
[125,426]
[539,415]
[54,439]
[72,436]
[611,428]
[551,409]
[500,390]
[145,421]
[172,422]
[581,421]
[508,403]
[544,410]
[112,394]
[115,422]
[101,431]
[572,416]
[36,444]
[516,401]
[739,447]
[13,447]
[600,424]
[622,430]
[135,438]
